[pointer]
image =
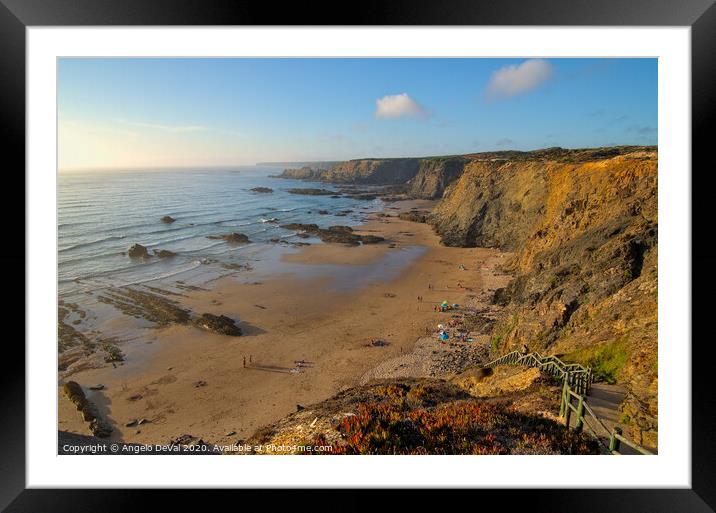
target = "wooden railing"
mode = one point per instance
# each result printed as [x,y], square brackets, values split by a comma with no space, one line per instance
[587,418]
[575,374]
[576,382]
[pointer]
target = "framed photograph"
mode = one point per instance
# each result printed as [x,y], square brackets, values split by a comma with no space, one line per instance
[444,248]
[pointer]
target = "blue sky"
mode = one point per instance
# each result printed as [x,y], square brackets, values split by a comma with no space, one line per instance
[119,113]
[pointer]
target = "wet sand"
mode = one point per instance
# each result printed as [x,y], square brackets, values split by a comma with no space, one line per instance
[325,311]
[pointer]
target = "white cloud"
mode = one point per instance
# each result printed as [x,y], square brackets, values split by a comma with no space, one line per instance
[512,80]
[398,106]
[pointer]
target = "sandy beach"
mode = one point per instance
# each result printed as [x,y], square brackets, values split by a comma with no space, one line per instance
[180,380]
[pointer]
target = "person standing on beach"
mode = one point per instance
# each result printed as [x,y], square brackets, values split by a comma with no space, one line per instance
[244,362]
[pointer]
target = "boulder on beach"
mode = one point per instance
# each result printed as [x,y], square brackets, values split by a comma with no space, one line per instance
[264,190]
[416,216]
[234,238]
[137,251]
[371,239]
[74,393]
[168,219]
[97,425]
[164,253]
[218,324]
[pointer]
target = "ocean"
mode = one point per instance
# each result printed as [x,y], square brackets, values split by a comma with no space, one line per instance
[101,214]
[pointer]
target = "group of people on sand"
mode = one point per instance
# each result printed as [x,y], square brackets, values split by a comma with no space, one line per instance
[445,306]
[444,334]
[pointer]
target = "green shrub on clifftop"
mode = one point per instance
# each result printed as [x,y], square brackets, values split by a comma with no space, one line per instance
[606,360]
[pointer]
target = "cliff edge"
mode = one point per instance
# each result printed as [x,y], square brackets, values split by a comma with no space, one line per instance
[584,229]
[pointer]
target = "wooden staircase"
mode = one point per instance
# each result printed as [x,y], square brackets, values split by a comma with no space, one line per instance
[597,404]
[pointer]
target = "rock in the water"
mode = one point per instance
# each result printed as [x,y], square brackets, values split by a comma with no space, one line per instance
[164,253]
[338,233]
[137,251]
[218,324]
[168,219]
[311,192]
[264,190]
[97,387]
[234,238]
[310,228]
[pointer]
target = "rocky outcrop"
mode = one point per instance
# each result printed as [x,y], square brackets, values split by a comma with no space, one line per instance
[303,173]
[583,228]
[97,425]
[168,219]
[233,238]
[137,251]
[339,234]
[68,335]
[164,253]
[264,190]
[156,308]
[311,192]
[415,216]
[220,324]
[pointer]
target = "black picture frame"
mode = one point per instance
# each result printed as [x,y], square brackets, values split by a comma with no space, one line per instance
[700,15]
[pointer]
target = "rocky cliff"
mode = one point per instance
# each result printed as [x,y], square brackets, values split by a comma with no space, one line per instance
[583,228]
[428,177]
[434,175]
[373,171]
[303,173]
[423,177]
